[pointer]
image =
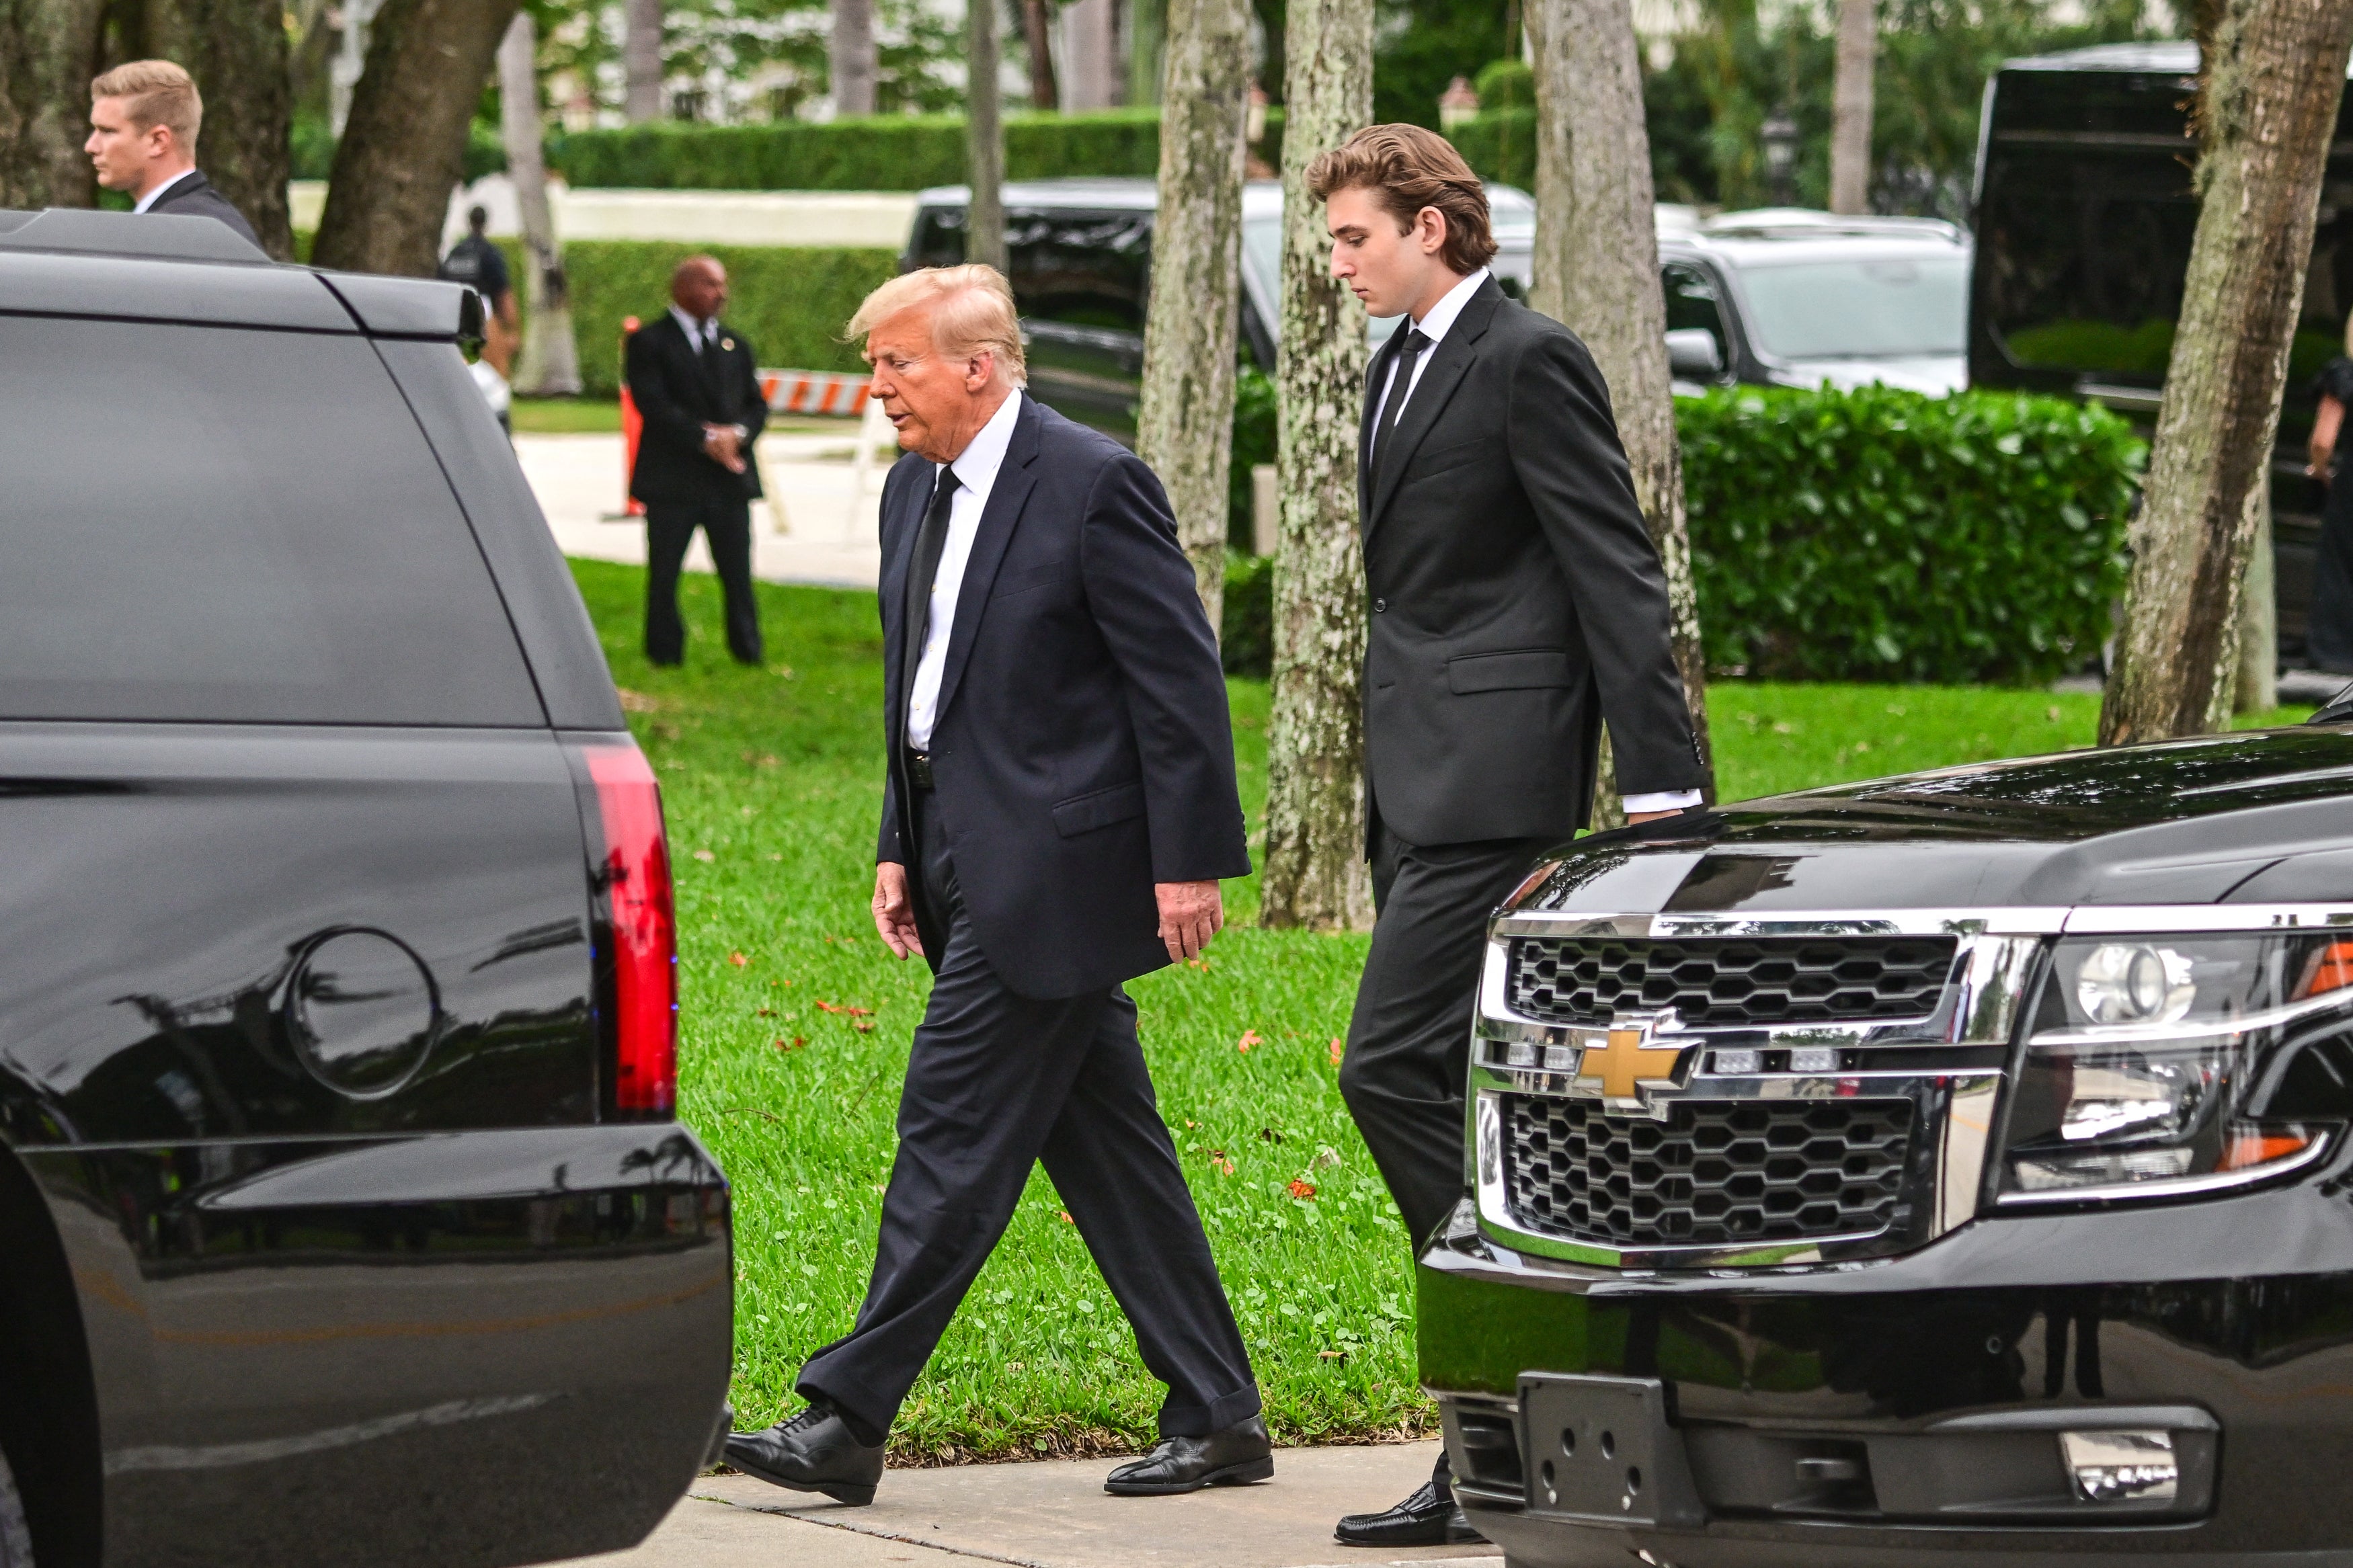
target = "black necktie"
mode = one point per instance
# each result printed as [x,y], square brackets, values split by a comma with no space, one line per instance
[1400,384]
[923,568]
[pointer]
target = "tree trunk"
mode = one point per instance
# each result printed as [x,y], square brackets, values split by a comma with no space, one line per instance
[48,51]
[1037,32]
[2258,683]
[1314,873]
[1185,428]
[550,365]
[853,62]
[1597,269]
[403,148]
[641,60]
[984,136]
[2273,77]
[1857,50]
[237,51]
[1090,54]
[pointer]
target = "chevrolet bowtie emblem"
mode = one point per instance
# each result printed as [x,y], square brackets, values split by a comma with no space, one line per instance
[1631,1059]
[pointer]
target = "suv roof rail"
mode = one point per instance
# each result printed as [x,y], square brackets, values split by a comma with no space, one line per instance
[155,236]
[1804,223]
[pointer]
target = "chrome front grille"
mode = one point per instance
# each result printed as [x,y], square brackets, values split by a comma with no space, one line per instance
[1722,1173]
[1728,983]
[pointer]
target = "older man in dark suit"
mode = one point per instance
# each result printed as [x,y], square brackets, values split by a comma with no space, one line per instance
[1060,806]
[1518,602]
[692,378]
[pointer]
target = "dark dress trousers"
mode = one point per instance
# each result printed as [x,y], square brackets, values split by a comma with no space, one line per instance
[677,390]
[1081,753]
[1516,604]
[194,196]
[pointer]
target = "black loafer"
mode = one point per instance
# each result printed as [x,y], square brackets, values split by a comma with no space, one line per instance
[1427,1518]
[1235,1456]
[813,1452]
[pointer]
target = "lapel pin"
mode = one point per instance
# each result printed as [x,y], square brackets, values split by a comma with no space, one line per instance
[727,344]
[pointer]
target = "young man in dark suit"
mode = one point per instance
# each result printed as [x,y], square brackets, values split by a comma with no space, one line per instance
[144,121]
[692,378]
[1059,807]
[1518,602]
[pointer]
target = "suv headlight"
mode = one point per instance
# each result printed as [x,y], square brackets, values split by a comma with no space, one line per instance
[2172,1064]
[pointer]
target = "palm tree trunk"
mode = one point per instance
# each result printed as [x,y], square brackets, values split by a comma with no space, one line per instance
[984,136]
[1315,874]
[48,51]
[641,60]
[550,365]
[852,60]
[404,147]
[1851,110]
[1597,269]
[2273,77]
[1185,427]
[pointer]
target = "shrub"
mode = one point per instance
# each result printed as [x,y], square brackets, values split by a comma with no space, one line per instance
[1254,433]
[1500,146]
[1885,535]
[876,152]
[1246,640]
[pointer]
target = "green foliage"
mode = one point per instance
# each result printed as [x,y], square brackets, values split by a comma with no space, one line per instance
[1500,146]
[1246,640]
[1887,535]
[882,152]
[1508,83]
[1423,44]
[1254,442]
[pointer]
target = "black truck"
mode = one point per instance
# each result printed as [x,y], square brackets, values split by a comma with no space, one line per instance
[343,1215]
[2085,217]
[1948,1169]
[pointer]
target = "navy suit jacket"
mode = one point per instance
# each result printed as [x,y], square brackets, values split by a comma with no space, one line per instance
[195,196]
[1082,748]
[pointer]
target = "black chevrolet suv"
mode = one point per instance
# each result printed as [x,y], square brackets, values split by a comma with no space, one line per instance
[343,1217]
[1946,1169]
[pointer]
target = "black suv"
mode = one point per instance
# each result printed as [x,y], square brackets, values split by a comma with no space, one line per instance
[342,1213]
[1946,1169]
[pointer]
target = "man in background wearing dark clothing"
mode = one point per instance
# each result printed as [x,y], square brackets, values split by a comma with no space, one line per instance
[482,266]
[143,120]
[692,378]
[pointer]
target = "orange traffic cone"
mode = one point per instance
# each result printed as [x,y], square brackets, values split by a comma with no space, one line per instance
[633,425]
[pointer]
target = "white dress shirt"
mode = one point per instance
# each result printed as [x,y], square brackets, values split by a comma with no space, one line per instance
[151,197]
[698,332]
[976,471]
[1434,325]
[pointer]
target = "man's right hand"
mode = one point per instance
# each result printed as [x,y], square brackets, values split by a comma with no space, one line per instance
[894,913]
[721,446]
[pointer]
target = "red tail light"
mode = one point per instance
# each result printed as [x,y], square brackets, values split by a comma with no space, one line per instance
[635,875]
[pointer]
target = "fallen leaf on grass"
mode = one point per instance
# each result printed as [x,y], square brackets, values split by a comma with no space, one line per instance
[738,960]
[1066,1216]
[844,1007]
[1224,1165]
[795,1042]
[862,1026]
[1335,1049]
[705,854]
[1331,1356]
[1250,1038]
[764,1012]
[1303,1191]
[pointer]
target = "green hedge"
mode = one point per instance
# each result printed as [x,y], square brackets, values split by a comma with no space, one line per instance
[1246,639]
[1885,535]
[879,153]
[1499,146]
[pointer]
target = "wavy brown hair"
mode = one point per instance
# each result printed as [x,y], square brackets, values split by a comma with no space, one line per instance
[1412,168]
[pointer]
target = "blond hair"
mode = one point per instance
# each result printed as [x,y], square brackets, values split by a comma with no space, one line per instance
[155,92]
[972,312]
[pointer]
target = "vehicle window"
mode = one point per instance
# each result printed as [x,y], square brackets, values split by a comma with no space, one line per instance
[201,523]
[1692,303]
[1865,308]
[2084,255]
[1082,270]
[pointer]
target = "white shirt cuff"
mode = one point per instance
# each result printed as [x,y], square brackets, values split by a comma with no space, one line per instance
[1664,800]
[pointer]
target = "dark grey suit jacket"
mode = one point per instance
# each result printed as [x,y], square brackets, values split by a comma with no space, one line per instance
[1516,599]
[195,197]
[1081,746]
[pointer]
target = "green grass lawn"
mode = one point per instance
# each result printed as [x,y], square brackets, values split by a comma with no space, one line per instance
[795,1022]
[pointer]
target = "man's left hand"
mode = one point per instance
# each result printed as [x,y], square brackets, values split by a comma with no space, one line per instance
[1190,914]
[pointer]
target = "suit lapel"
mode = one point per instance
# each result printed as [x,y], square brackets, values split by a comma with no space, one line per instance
[1375,374]
[1448,363]
[1006,499]
[900,525]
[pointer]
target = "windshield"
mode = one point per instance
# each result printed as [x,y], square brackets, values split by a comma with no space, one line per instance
[1868,308]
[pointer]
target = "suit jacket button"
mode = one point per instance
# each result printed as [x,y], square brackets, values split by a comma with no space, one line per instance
[1379,605]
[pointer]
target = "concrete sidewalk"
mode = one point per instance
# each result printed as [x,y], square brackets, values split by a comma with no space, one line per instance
[1053,1514]
[831,539]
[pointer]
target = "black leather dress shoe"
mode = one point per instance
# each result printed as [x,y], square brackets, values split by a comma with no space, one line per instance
[1239,1454]
[813,1452]
[1427,1518]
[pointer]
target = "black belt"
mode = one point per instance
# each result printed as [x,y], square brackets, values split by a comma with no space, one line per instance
[919,768]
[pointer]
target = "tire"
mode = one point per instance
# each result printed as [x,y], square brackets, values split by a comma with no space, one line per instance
[15,1535]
